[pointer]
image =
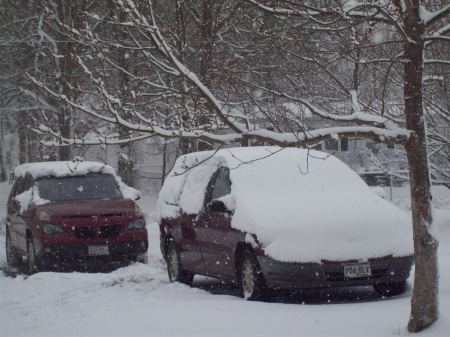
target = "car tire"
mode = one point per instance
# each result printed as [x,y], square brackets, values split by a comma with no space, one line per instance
[12,258]
[390,288]
[250,277]
[174,268]
[32,264]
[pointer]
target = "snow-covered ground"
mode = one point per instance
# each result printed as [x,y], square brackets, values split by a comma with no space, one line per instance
[139,301]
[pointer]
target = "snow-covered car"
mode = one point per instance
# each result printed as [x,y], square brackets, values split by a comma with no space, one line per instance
[280,218]
[65,213]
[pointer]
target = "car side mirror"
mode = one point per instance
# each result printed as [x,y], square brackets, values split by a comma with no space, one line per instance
[217,206]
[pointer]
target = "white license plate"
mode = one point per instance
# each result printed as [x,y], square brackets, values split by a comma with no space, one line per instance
[98,250]
[355,270]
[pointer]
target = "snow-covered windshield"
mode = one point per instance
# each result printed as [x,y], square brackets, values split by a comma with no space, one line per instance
[88,187]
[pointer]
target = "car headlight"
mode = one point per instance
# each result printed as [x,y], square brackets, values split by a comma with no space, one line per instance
[136,224]
[52,229]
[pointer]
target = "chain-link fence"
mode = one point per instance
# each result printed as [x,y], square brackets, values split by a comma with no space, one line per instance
[394,185]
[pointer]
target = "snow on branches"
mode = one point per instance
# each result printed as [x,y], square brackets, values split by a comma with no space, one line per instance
[146,38]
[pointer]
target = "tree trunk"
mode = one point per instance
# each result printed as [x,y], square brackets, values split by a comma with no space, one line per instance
[185,146]
[23,155]
[125,165]
[424,302]
[70,13]
[125,168]
[164,163]
[3,176]
[2,152]
[67,66]
[65,128]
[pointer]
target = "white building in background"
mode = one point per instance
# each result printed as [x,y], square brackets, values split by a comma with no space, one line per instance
[148,158]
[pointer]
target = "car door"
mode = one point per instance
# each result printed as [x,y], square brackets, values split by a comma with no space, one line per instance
[190,249]
[15,219]
[213,226]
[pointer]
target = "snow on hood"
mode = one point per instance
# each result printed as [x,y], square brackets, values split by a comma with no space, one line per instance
[302,205]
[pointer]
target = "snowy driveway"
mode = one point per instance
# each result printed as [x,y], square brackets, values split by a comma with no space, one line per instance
[138,301]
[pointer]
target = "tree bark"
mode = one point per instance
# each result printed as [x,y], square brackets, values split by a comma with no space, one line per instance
[424,302]
[65,128]
[3,174]
[70,13]
[22,131]
[164,163]
[125,164]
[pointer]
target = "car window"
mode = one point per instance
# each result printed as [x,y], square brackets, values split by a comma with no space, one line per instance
[88,187]
[12,194]
[28,183]
[221,185]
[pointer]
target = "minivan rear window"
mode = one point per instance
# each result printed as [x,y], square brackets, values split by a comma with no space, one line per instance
[87,187]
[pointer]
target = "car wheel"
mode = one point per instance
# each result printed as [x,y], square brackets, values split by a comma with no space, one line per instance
[390,288]
[11,255]
[32,265]
[174,267]
[251,279]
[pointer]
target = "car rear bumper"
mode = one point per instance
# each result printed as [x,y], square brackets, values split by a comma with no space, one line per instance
[79,253]
[287,275]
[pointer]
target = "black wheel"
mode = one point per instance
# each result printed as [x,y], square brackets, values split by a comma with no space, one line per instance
[390,288]
[32,266]
[12,258]
[251,279]
[174,267]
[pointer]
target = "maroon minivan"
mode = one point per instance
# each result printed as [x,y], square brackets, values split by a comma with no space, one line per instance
[62,214]
[253,217]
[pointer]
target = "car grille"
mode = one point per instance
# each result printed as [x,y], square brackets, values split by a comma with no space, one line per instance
[91,232]
[84,232]
[109,231]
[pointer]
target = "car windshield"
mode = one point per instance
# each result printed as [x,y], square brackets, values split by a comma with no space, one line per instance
[87,187]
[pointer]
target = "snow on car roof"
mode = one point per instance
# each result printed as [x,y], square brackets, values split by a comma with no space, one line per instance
[303,205]
[268,167]
[62,168]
